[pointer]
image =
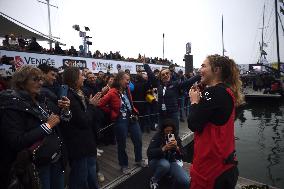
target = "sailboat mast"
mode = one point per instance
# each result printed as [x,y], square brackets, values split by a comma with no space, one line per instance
[223,49]
[49,24]
[277,37]
[262,30]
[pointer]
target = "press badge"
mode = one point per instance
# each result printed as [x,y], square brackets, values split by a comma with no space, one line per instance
[164,107]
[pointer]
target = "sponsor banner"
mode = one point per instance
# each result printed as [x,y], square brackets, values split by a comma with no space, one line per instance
[95,65]
[74,63]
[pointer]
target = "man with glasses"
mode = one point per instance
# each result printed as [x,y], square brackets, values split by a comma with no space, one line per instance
[168,93]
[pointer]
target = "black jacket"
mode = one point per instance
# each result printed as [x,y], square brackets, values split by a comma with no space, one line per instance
[141,86]
[20,128]
[154,150]
[79,134]
[172,91]
[90,89]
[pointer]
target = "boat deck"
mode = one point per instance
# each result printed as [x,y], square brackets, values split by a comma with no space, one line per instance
[250,93]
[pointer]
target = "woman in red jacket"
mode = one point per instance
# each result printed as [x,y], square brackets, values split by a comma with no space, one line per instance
[211,118]
[118,103]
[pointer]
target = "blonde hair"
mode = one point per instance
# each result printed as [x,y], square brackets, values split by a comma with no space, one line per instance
[230,74]
[21,76]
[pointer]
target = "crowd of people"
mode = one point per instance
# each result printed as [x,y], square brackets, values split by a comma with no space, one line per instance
[51,119]
[12,42]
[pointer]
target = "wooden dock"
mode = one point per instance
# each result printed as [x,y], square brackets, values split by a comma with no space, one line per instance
[108,164]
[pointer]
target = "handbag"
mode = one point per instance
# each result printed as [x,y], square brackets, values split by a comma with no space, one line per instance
[23,173]
[48,150]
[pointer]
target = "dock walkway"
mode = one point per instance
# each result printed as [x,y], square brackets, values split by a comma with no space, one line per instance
[108,164]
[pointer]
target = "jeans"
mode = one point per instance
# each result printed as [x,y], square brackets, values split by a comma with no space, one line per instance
[83,173]
[174,116]
[154,111]
[52,176]
[181,106]
[121,128]
[162,167]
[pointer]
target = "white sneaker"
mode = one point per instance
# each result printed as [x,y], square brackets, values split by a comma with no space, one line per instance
[100,151]
[101,177]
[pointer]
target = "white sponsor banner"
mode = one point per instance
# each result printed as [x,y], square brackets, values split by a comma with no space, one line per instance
[95,65]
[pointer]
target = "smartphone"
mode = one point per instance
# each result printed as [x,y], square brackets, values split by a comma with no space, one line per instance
[63,91]
[171,137]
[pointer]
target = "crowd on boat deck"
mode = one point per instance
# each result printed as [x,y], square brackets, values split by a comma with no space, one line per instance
[52,119]
[264,82]
[18,43]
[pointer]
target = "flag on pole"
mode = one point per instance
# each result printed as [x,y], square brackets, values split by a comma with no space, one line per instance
[282,10]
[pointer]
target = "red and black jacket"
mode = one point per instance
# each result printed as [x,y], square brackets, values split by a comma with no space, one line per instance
[212,120]
[111,103]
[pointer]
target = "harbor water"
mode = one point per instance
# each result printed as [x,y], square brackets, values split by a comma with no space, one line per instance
[259,131]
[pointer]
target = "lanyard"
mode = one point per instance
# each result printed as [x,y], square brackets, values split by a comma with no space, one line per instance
[124,103]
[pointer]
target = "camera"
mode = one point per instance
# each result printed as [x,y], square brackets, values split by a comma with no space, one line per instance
[133,118]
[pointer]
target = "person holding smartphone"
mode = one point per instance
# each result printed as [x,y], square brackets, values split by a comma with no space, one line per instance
[57,104]
[164,155]
[79,133]
[25,122]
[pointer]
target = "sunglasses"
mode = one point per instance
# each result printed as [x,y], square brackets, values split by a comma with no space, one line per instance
[165,73]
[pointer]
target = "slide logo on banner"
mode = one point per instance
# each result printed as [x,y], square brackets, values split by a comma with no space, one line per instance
[74,63]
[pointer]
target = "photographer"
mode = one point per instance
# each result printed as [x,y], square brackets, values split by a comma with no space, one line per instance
[164,155]
[118,103]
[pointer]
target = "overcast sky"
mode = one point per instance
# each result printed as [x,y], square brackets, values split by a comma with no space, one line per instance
[137,26]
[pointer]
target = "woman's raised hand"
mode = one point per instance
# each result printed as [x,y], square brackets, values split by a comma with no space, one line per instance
[94,100]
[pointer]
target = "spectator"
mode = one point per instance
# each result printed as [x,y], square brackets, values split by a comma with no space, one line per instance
[24,124]
[55,170]
[79,134]
[22,42]
[90,87]
[139,94]
[100,80]
[58,49]
[13,42]
[165,157]
[34,46]
[72,51]
[168,93]
[118,103]
[5,42]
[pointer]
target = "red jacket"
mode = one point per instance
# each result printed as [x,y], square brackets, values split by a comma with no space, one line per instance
[111,103]
[211,148]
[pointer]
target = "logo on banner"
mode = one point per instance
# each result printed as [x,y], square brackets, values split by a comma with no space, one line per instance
[94,65]
[74,63]
[102,66]
[19,62]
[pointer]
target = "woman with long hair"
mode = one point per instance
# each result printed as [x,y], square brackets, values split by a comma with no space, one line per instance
[79,134]
[211,118]
[118,103]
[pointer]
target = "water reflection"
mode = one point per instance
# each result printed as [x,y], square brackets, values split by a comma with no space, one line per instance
[263,122]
